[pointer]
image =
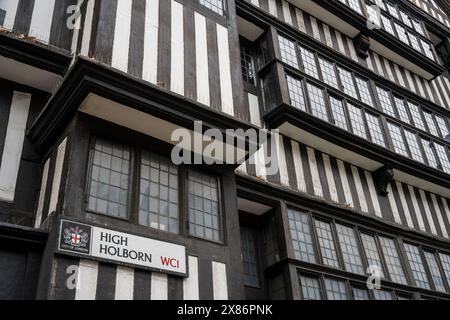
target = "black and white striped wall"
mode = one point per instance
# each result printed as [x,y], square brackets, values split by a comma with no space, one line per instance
[178,45]
[43,20]
[436,90]
[94,280]
[306,170]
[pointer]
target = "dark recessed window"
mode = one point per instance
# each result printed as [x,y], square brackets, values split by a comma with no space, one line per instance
[214,5]
[248,66]
[204,208]
[249,257]
[158,195]
[109,178]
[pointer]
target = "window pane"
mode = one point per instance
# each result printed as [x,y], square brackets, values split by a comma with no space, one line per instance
[310,288]
[411,138]
[288,52]
[405,18]
[204,207]
[440,150]
[445,260]
[364,91]
[349,248]
[429,153]
[326,243]
[416,263]
[248,69]
[296,93]
[158,193]
[401,33]
[427,49]
[372,254]
[109,180]
[249,257]
[355,5]
[414,42]
[214,5]
[385,100]
[383,295]
[373,123]
[357,121]
[393,262]
[328,72]
[438,280]
[309,62]
[387,25]
[418,27]
[347,82]
[317,102]
[415,112]
[397,139]
[301,234]
[400,104]
[336,289]
[392,10]
[337,108]
[442,126]
[430,122]
[360,294]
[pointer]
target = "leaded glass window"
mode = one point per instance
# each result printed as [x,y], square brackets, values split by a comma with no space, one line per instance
[310,288]
[393,261]
[349,248]
[416,263]
[158,193]
[204,206]
[336,289]
[326,244]
[295,88]
[109,178]
[288,51]
[301,234]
